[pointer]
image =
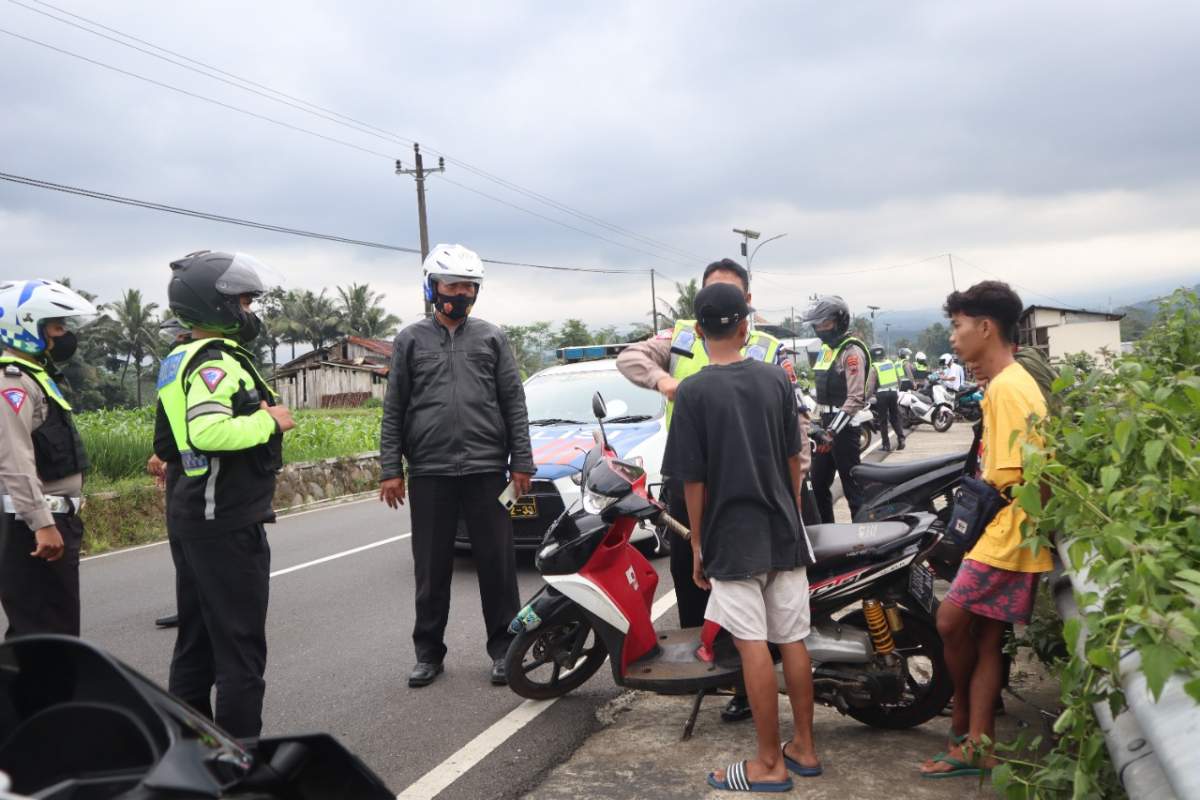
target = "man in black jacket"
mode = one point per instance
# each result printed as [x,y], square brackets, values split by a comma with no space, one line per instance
[455,412]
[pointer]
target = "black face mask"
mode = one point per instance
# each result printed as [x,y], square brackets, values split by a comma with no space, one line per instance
[63,347]
[250,329]
[830,337]
[460,305]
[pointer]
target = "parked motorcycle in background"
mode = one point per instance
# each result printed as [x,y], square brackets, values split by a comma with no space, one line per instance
[968,403]
[936,411]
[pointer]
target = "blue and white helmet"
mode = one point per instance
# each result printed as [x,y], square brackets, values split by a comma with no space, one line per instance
[25,305]
[450,263]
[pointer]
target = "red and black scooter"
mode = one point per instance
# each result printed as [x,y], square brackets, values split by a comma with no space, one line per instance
[876,652]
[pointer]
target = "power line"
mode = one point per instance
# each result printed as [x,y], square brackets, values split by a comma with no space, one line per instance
[808,276]
[1025,289]
[333,116]
[38,183]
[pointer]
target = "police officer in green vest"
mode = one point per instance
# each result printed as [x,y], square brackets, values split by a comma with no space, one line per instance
[904,367]
[884,384]
[920,371]
[42,459]
[220,432]
[841,376]
[661,363]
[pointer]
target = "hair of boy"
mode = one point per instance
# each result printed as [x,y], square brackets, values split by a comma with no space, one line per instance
[721,333]
[728,265]
[992,299]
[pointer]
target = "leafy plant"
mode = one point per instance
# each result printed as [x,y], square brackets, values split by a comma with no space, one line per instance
[1122,466]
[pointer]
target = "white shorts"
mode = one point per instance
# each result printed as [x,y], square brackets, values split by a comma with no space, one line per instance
[769,607]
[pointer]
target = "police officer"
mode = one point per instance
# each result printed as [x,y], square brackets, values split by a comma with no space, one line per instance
[904,368]
[42,460]
[883,382]
[920,371]
[220,433]
[661,364]
[841,379]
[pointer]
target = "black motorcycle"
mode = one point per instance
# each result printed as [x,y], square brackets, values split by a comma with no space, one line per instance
[76,723]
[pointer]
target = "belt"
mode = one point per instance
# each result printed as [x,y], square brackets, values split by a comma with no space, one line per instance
[56,504]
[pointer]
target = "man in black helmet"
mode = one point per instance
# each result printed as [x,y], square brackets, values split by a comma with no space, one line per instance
[841,377]
[220,432]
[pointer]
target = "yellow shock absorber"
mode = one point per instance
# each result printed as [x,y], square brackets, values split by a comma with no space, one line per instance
[877,626]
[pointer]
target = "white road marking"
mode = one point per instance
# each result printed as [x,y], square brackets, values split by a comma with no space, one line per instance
[440,777]
[336,556]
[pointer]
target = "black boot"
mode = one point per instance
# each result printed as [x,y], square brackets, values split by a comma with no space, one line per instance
[737,710]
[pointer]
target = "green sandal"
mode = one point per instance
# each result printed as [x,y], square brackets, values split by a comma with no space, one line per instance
[961,769]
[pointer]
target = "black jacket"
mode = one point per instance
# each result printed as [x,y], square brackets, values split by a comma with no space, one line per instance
[455,404]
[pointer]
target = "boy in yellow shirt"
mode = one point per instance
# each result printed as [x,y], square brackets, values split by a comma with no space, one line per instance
[996,582]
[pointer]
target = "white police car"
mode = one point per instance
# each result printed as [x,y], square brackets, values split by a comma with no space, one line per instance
[559,400]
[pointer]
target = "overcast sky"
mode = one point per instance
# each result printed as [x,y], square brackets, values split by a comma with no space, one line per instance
[1051,144]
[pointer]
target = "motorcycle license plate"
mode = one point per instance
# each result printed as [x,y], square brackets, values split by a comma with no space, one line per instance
[920,583]
[525,508]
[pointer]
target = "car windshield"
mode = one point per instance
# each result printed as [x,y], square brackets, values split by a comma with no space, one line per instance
[562,397]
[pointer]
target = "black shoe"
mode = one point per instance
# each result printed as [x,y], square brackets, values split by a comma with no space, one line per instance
[424,673]
[885,447]
[171,621]
[737,710]
[900,445]
[499,673]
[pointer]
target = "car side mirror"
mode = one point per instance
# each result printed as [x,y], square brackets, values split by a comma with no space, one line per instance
[599,409]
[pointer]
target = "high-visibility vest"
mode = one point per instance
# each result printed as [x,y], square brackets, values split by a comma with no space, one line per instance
[886,375]
[689,355]
[830,384]
[172,393]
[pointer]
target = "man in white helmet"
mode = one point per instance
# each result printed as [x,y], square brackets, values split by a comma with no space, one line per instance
[42,460]
[455,415]
[953,375]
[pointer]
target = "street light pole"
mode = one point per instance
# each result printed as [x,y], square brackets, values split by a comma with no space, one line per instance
[746,235]
[760,244]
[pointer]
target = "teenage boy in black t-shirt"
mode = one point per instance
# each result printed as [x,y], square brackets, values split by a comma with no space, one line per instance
[735,444]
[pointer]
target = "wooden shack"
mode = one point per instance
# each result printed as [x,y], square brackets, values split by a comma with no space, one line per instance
[345,374]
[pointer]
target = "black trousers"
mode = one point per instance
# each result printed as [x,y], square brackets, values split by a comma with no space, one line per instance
[690,599]
[840,459]
[436,504]
[221,589]
[39,596]
[887,409]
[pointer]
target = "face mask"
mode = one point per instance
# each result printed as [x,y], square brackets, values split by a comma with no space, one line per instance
[830,337]
[63,347]
[250,328]
[454,306]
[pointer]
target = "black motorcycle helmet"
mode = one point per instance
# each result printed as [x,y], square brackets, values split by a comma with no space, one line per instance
[828,307]
[206,289]
[877,353]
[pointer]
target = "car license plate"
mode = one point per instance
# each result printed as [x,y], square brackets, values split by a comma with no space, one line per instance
[920,583]
[525,508]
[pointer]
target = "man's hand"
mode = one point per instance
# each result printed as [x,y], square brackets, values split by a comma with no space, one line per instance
[282,415]
[521,483]
[667,386]
[698,571]
[391,492]
[158,468]
[49,543]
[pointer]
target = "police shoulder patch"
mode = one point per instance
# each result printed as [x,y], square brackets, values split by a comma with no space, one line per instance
[790,370]
[170,368]
[212,377]
[15,399]
[853,363]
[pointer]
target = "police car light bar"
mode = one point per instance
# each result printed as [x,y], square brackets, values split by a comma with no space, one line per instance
[591,352]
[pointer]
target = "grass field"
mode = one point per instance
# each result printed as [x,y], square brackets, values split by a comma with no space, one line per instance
[120,441]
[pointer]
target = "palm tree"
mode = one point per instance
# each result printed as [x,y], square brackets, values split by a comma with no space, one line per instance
[136,333]
[363,313]
[685,304]
[317,318]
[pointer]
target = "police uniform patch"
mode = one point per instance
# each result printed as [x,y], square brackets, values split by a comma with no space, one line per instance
[683,343]
[15,399]
[790,370]
[170,368]
[852,363]
[212,377]
[756,353]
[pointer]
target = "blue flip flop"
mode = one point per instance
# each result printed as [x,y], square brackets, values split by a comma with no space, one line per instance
[798,768]
[736,781]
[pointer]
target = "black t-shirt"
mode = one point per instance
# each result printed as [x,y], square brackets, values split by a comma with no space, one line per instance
[734,429]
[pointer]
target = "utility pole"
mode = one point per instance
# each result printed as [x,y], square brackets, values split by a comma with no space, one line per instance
[653,306]
[419,173]
[953,283]
[746,235]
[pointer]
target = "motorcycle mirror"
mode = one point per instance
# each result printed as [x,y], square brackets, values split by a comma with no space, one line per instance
[599,409]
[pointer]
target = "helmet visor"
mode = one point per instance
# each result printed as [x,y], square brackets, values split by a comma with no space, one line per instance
[247,275]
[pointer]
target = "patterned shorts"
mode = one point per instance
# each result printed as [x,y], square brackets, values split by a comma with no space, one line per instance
[993,592]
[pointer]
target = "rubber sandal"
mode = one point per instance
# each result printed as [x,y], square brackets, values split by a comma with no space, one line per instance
[736,781]
[961,769]
[795,766]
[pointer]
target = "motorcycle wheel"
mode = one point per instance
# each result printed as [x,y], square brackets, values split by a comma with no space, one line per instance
[537,660]
[864,438]
[943,418]
[928,688]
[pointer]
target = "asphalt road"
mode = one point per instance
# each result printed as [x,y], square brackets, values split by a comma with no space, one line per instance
[340,651]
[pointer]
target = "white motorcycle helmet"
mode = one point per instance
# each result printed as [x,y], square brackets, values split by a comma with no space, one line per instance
[946,359]
[450,263]
[26,305]
[920,357]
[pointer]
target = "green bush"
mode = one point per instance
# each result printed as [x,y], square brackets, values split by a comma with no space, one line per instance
[1122,463]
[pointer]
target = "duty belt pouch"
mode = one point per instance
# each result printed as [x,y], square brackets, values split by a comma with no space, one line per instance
[976,504]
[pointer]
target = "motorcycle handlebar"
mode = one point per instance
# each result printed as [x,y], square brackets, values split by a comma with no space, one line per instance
[675,525]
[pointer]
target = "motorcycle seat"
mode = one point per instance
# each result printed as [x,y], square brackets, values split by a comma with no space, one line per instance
[838,539]
[900,473]
[970,388]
